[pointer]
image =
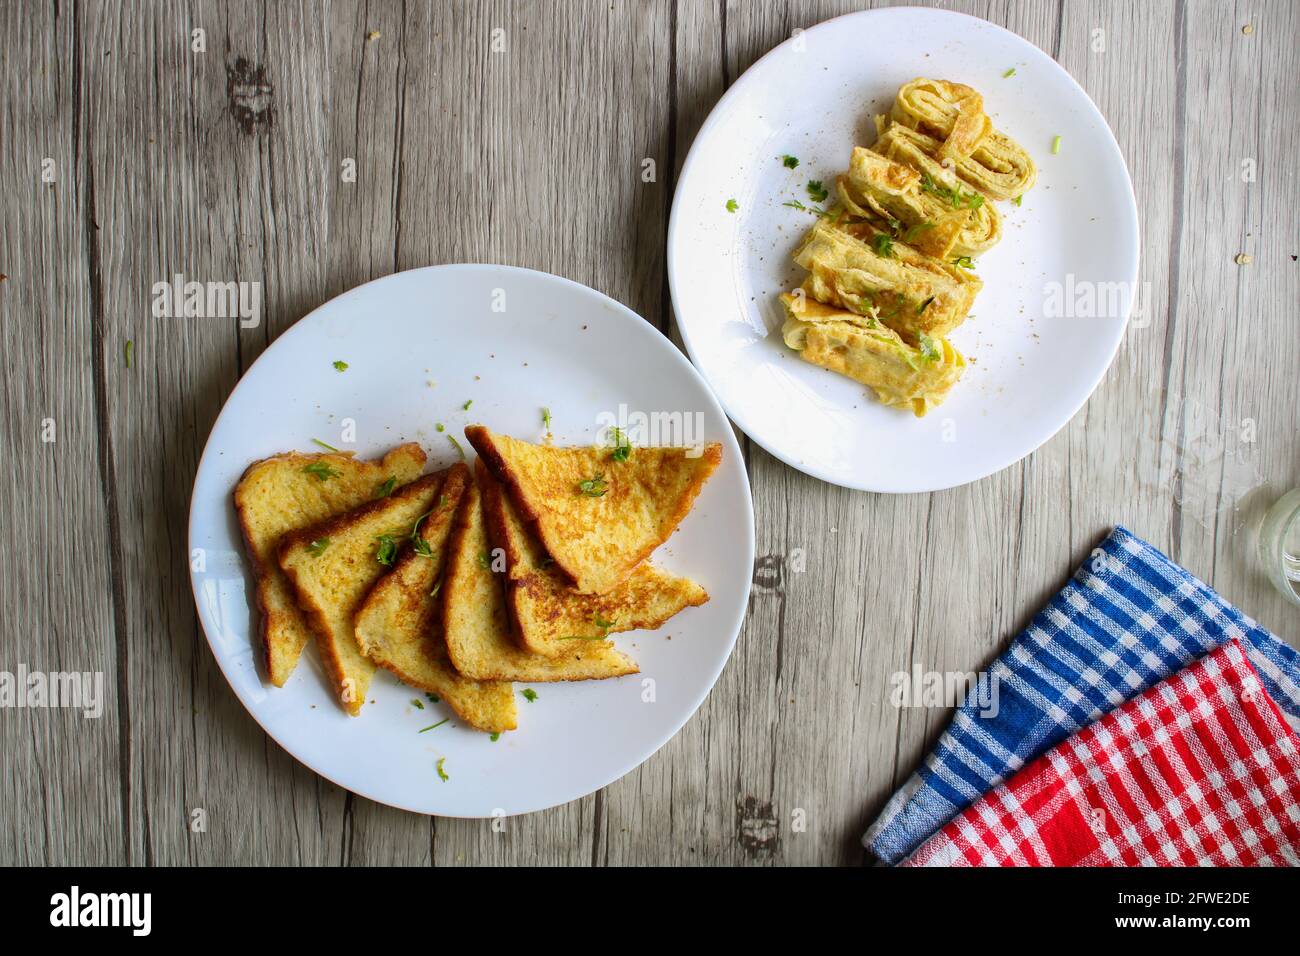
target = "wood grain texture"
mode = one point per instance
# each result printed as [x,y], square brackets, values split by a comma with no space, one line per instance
[228,164]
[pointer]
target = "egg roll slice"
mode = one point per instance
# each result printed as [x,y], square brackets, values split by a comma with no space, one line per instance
[860,268]
[876,187]
[901,376]
[952,116]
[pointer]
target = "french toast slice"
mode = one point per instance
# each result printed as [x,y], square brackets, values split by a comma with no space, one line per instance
[334,564]
[476,624]
[547,614]
[597,516]
[398,625]
[290,491]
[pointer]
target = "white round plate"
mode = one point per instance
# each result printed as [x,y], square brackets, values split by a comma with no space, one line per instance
[418,346]
[1057,289]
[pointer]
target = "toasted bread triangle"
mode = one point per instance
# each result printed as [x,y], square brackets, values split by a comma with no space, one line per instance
[476,624]
[398,625]
[334,564]
[547,613]
[598,518]
[280,494]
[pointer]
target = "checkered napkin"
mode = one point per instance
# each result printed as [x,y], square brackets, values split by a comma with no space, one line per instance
[1128,619]
[1199,770]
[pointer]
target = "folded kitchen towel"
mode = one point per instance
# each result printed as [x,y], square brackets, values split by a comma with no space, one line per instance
[1199,770]
[1128,619]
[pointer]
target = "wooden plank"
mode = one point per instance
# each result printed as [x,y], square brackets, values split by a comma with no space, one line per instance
[64,788]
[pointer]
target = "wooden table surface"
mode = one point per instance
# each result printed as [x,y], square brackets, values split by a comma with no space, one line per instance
[129,156]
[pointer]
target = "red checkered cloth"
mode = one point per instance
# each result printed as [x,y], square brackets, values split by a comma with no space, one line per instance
[1200,769]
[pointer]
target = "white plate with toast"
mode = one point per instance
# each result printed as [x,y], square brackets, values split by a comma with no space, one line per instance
[415,358]
[1057,288]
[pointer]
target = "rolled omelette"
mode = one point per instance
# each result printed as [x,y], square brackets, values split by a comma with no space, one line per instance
[901,375]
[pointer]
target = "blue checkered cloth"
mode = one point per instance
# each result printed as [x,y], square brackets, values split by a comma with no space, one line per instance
[1129,618]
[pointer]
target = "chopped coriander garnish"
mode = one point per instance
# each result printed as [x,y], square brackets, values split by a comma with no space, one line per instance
[1016,201]
[593,487]
[732,205]
[530,695]
[1010,73]
[796,204]
[546,418]
[128,351]
[924,305]
[456,445]
[1056,145]
[321,471]
[483,560]
[442,774]
[468,403]
[816,191]
[622,446]
[790,162]
[327,447]
[437,586]
[964,262]
[433,698]
[601,623]
[386,487]
[317,547]
[956,198]
[417,703]
[341,365]
[494,737]
[418,544]
[439,427]
[883,245]
[387,550]
[929,351]
[438,724]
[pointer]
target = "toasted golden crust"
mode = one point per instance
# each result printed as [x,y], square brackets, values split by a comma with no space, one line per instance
[547,614]
[597,540]
[399,628]
[275,496]
[331,583]
[476,625]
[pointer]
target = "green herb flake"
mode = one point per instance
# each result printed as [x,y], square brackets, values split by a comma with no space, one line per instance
[128,351]
[385,488]
[442,774]
[790,162]
[1056,145]
[437,586]
[964,262]
[433,698]
[816,191]
[341,366]
[483,560]
[883,245]
[1010,73]
[494,737]
[796,204]
[1016,201]
[732,205]
[418,544]
[530,695]
[386,552]
[622,446]
[468,403]
[325,445]
[546,416]
[417,703]
[317,547]
[929,351]
[437,725]
[321,471]
[924,305]
[456,445]
[593,487]
[439,427]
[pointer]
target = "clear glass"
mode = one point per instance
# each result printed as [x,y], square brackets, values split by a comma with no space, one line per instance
[1279,545]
